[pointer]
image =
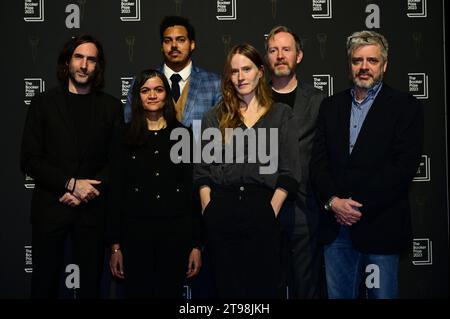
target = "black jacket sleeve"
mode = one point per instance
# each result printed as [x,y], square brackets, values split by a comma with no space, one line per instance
[34,160]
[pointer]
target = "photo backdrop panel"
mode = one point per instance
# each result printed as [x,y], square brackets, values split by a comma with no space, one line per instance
[35,30]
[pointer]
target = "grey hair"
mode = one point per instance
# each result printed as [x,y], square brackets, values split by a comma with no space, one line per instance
[365,37]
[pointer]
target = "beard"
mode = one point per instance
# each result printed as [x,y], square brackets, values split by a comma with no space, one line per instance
[180,60]
[83,82]
[367,84]
[286,71]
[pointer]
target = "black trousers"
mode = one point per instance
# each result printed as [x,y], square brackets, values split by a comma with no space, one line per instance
[49,242]
[242,236]
[156,252]
[302,255]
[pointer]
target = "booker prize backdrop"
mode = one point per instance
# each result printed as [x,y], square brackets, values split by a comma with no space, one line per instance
[34,31]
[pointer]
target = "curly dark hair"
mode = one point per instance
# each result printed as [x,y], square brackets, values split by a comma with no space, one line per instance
[171,21]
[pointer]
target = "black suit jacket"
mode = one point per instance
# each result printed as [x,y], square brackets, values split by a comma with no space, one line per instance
[51,156]
[378,172]
[306,109]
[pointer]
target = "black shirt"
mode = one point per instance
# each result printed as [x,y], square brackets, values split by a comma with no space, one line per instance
[147,184]
[247,170]
[80,108]
[286,98]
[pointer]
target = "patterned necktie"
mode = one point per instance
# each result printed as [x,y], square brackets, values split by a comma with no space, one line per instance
[175,78]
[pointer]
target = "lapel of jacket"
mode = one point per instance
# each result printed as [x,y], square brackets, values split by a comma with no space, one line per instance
[60,100]
[91,122]
[300,101]
[194,83]
[373,119]
[344,110]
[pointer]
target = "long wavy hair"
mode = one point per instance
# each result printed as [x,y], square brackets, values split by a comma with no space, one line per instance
[229,115]
[137,128]
[62,70]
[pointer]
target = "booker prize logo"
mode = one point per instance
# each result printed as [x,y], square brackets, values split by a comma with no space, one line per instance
[321,9]
[130,10]
[126,87]
[417,9]
[32,87]
[34,11]
[323,82]
[28,268]
[422,251]
[226,10]
[418,85]
[187,293]
[29,182]
[423,173]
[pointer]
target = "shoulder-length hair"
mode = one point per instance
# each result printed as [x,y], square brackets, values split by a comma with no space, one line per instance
[62,70]
[229,115]
[138,125]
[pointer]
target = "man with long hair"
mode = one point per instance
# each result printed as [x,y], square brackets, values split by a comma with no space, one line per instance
[69,137]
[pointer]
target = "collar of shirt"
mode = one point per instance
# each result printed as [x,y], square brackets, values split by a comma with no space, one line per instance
[371,94]
[185,73]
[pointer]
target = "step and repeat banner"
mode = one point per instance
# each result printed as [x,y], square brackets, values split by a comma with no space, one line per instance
[33,32]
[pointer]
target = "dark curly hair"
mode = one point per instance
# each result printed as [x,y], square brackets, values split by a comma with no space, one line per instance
[171,21]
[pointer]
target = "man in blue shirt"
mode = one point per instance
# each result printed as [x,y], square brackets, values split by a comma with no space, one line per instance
[366,152]
[194,90]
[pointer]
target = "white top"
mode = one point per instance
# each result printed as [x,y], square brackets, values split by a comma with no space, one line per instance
[185,73]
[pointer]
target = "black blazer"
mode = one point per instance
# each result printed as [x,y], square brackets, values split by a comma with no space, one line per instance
[306,109]
[51,156]
[378,172]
